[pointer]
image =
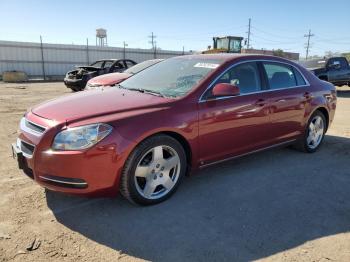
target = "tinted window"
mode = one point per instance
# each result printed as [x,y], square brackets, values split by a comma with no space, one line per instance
[280,75]
[245,76]
[108,64]
[338,61]
[300,79]
[119,65]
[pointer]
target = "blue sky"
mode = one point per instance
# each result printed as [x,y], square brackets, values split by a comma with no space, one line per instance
[275,24]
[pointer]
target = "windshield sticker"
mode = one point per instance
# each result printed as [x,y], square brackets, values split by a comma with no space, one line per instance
[206,65]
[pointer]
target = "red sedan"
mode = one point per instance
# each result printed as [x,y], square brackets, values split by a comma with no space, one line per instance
[179,115]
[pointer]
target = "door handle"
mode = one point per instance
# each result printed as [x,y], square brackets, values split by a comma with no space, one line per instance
[308,95]
[260,102]
[281,100]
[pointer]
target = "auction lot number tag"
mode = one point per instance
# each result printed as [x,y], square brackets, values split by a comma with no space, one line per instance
[206,65]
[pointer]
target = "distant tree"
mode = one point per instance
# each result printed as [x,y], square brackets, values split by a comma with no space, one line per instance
[279,52]
[316,57]
[347,55]
[331,54]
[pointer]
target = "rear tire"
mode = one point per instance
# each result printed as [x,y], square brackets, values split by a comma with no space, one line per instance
[153,171]
[314,133]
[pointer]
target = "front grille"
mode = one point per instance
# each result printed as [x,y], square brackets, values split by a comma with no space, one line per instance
[34,127]
[27,149]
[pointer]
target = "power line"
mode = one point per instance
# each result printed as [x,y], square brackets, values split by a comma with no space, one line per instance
[276,35]
[194,35]
[334,40]
[272,41]
[309,35]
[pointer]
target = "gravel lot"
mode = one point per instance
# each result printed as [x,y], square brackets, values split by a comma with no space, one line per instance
[278,205]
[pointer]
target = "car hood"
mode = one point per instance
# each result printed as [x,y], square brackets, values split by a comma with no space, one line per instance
[88,67]
[109,79]
[96,103]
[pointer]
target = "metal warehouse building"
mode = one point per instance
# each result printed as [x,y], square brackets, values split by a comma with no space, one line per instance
[54,60]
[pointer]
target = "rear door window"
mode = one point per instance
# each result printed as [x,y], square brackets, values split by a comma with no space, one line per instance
[119,65]
[108,64]
[280,75]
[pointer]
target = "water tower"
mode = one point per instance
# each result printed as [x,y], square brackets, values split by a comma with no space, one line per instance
[101,37]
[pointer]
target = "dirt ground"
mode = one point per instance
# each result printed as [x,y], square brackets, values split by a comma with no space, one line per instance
[278,205]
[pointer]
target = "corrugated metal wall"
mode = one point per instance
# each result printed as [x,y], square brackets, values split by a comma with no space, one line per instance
[58,58]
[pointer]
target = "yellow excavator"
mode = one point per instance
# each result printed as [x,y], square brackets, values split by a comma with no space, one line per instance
[225,44]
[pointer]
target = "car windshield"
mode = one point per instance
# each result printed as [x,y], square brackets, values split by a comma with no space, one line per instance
[97,64]
[139,67]
[174,77]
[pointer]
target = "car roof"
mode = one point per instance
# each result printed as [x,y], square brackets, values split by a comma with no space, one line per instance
[112,59]
[227,57]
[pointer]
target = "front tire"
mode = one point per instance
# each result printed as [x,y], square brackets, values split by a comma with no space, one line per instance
[153,170]
[314,133]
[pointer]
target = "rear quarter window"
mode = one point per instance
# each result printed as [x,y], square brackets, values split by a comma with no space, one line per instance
[300,79]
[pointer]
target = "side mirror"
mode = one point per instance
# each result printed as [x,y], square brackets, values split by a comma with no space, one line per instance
[224,89]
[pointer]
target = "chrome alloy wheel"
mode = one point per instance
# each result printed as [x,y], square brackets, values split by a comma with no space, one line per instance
[315,132]
[157,172]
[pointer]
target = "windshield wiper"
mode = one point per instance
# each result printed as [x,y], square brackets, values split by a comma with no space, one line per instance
[120,86]
[156,93]
[141,90]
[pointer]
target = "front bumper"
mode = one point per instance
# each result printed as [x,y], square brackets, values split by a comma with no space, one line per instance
[17,154]
[95,171]
[75,84]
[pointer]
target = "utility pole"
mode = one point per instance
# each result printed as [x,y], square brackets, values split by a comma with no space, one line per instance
[155,51]
[183,50]
[124,51]
[153,43]
[42,58]
[309,35]
[87,51]
[248,39]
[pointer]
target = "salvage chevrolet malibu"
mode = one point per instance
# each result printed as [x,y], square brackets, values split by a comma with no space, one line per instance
[109,80]
[177,116]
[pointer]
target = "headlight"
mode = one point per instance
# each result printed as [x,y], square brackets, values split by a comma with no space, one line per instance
[81,137]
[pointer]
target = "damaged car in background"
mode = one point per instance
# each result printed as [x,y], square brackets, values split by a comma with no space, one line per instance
[108,80]
[77,79]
